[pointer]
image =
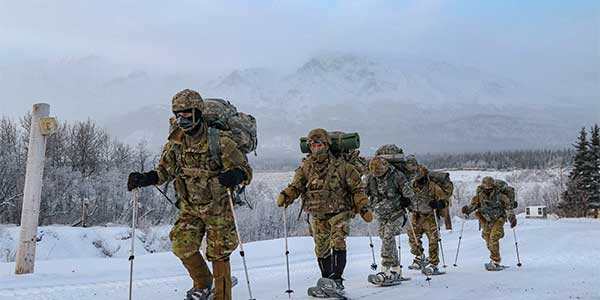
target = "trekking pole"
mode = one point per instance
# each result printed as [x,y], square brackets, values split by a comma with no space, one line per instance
[517,247]
[134,200]
[165,195]
[437,226]
[287,252]
[428,279]
[242,254]
[460,238]
[374,264]
[399,252]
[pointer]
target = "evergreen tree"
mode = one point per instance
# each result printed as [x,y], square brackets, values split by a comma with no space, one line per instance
[575,198]
[594,154]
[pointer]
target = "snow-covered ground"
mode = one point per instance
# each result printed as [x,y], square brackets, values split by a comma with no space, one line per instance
[560,261]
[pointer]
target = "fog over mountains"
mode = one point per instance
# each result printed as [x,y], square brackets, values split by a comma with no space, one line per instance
[425,106]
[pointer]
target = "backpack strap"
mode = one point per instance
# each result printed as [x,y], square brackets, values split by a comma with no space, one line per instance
[214,145]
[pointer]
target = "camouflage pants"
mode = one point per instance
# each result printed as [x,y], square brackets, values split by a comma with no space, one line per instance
[329,233]
[214,219]
[492,232]
[424,223]
[389,228]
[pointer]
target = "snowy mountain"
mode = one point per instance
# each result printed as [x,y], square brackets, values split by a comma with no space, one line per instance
[425,106]
[421,105]
[556,257]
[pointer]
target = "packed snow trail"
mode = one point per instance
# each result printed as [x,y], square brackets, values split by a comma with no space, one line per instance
[560,261]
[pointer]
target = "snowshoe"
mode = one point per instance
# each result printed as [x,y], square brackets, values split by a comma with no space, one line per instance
[199,294]
[383,279]
[206,294]
[418,263]
[493,266]
[432,271]
[328,288]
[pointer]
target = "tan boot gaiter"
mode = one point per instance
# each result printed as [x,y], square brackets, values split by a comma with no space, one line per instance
[222,270]
[198,270]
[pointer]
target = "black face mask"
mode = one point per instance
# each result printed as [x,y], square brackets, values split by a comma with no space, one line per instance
[188,125]
[421,180]
[488,191]
[185,123]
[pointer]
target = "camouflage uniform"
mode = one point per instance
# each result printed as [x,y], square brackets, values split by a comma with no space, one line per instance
[493,208]
[332,193]
[202,200]
[385,196]
[422,216]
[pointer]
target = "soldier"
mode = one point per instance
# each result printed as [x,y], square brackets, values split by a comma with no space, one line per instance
[384,188]
[411,167]
[492,208]
[332,194]
[427,196]
[201,184]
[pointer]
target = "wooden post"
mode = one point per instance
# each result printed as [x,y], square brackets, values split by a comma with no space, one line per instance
[40,127]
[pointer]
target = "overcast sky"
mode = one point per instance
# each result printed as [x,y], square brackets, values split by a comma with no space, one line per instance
[542,43]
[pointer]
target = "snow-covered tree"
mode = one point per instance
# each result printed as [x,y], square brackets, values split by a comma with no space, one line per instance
[594,157]
[575,198]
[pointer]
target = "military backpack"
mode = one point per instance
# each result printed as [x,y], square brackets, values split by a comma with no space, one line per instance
[220,114]
[442,179]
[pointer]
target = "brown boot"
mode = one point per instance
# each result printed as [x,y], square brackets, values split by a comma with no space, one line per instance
[198,270]
[222,271]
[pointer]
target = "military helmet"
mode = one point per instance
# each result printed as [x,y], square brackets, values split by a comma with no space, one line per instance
[423,171]
[319,134]
[187,100]
[411,159]
[389,149]
[378,166]
[488,182]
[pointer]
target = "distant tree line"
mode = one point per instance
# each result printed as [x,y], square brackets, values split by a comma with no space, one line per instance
[500,160]
[582,196]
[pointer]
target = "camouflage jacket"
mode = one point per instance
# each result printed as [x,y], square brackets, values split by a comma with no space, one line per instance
[331,186]
[385,193]
[492,206]
[187,159]
[422,196]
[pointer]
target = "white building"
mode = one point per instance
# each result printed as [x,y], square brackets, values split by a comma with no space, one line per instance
[535,212]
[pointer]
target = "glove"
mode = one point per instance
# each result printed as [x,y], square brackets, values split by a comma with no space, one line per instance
[404,202]
[441,204]
[360,200]
[136,179]
[513,221]
[231,178]
[283,200]
[436,204]
[465,210]
[366,214]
